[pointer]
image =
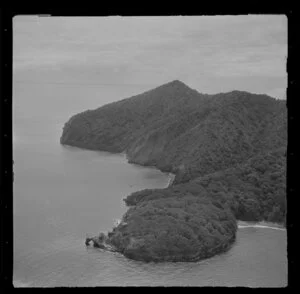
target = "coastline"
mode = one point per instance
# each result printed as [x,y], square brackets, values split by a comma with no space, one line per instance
[124,155]
[241,224]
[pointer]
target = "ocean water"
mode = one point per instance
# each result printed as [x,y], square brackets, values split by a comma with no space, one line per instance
[62,193]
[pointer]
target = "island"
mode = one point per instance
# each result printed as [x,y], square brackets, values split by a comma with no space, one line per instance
[227,152]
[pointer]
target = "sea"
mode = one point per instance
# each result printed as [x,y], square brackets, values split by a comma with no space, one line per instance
[61,194]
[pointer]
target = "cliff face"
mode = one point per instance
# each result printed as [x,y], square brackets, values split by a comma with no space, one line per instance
[226,150]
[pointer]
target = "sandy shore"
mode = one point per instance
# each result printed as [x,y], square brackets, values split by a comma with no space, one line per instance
[263,225]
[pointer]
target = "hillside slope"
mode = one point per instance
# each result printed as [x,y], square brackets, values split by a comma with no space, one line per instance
[182,131]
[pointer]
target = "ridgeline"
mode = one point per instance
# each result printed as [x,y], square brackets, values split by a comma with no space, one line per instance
[227,152]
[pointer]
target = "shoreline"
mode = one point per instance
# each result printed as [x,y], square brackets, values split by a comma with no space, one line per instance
[240,224]
[261,224]
[124,155]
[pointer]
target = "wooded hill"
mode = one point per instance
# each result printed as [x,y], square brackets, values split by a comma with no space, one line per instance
[228,149]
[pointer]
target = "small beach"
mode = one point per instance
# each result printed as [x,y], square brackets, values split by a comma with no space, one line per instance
[262,224]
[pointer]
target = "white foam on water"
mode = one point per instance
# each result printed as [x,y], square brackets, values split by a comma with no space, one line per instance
[19,284]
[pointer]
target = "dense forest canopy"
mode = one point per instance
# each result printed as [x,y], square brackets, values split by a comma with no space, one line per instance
[227,152]
[177,228]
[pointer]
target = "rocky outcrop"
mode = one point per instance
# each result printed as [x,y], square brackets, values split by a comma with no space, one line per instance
[101,241]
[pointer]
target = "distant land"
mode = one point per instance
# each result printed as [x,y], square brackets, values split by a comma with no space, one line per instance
[227,152]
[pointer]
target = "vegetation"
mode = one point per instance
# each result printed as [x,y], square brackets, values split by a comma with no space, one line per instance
[182,131]
[178,228]
[255,190]
[226,150]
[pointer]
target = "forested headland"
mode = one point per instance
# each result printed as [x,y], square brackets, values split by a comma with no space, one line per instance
[227,152]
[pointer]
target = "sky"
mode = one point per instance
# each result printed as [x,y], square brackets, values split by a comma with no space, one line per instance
[211,54]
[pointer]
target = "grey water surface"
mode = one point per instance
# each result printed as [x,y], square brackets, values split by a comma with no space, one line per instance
[62,193]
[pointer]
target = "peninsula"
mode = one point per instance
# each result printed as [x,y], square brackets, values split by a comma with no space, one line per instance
[227,152]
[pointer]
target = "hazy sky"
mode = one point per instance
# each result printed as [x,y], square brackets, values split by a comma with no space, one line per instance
[211,54]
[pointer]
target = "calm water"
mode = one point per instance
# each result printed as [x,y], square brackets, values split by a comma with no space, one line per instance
[63,193]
